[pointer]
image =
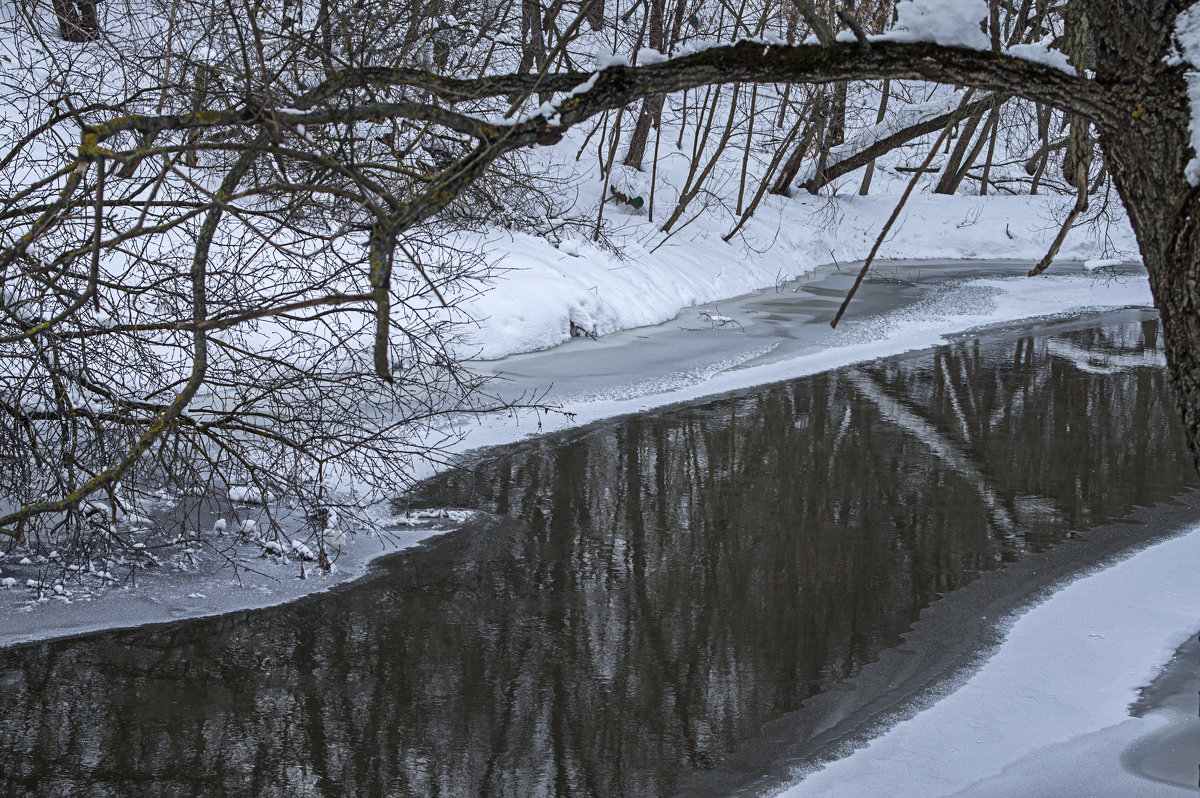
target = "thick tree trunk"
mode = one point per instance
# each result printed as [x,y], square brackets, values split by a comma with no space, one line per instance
[1165,215]
[1147,154]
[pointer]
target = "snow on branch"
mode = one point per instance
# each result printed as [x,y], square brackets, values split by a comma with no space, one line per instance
[1187,51]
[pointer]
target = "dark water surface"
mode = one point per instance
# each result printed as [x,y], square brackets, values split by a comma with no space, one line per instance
[651,594]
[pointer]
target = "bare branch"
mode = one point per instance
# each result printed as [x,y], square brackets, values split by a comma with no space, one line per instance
[819,27]
[895,214]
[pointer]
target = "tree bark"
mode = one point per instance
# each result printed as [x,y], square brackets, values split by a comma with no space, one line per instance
[651,106]
[1147,153]
[77,20]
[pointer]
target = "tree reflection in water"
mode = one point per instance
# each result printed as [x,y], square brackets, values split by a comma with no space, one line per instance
[669,584]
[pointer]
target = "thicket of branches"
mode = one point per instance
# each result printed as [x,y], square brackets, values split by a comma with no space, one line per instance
[228,232]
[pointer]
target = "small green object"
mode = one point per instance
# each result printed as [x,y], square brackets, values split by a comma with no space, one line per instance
[637,202]
[695,20]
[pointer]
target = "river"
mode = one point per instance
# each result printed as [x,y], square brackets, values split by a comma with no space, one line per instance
[649,600]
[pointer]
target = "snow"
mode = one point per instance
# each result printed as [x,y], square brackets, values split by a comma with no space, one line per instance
[572,247]
[1042,53]
[960,23]
[542,291]
[950,23]
[1068,669]
[1187,38]
[303,551]
[611,377]
[648,55]
[605,60]
[698,45]
[586,86]
[248,494]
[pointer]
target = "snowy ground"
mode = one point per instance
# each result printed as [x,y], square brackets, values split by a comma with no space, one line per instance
[542,292]
[1049,713]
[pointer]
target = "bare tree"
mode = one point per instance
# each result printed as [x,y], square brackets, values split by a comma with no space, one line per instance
[183,302]
[156,314]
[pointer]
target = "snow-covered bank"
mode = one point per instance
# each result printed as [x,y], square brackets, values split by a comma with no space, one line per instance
[543,293]
[1056,693]
[203,582]
[625,373]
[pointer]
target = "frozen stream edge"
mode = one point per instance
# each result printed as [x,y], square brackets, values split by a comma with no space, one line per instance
[1067,670]
[1048,712]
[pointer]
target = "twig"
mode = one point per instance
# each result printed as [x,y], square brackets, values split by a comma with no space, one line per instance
[895,214]
[1081,205]
[852,24]
[820,28]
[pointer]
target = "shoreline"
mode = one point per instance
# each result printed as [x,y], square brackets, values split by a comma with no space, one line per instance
[1047,711]
[955,643]
[951,642]
[946,299]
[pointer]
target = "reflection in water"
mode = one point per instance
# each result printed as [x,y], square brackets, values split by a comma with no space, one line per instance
[670,583]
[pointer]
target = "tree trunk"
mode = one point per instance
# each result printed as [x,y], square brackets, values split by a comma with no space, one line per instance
[1079,142]
[834,131]
[77,20]
[651,106]
[1166,217]
[994,124]
[1147,153]
[531,32]
[816,124]
[885,92]
[594,13]
[949,181]
[837,117]
[973,155]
